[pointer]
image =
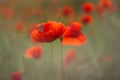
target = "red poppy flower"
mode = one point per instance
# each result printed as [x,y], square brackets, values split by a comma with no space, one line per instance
[20,26]
[73,35]
[9,13]
[107,3]
[86,19]
[16,76]
[34,52]
[88,7]
[70,57]
[68,11]
[47,32]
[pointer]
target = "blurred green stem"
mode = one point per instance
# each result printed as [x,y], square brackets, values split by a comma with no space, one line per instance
[61,55]
[52,53]
[51,61]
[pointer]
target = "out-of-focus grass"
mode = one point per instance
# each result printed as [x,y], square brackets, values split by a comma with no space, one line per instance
[103,39]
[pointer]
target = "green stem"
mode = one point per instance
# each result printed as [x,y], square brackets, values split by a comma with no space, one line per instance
[51,63]
[51,53]
[62,68]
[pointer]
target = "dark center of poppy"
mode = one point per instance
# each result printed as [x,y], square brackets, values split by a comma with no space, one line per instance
[74,33]
[41,27]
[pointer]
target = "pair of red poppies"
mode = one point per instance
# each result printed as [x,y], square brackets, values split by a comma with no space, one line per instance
[51,30]
[88,8]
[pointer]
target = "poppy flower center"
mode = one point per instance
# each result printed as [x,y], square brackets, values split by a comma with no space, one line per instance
[41,27]
[74,33]
[45,27]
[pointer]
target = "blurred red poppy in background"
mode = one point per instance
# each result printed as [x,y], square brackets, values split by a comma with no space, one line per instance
[73,35]
[70,57]
[48,32]
[105,5]
[88,7]
[7,12]
[34,52]
[17,76]
[20,26]
[108,58]
[86,19]
[68,11]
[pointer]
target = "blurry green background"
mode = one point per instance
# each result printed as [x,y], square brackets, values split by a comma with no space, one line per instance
[103,41]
